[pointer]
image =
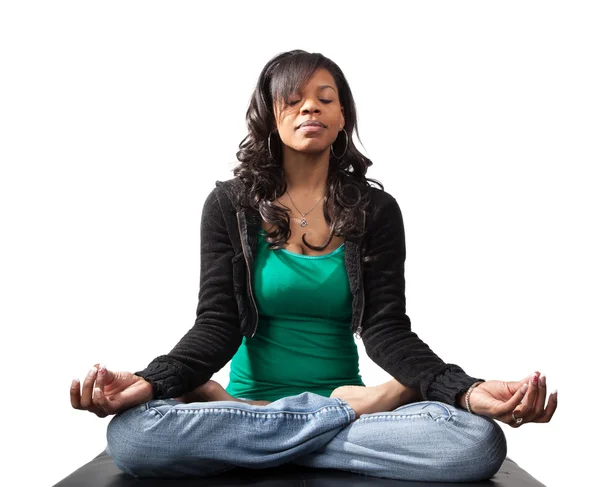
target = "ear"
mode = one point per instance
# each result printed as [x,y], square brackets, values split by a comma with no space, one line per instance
[343,120]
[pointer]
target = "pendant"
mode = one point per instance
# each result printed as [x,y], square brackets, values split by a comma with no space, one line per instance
[303,222]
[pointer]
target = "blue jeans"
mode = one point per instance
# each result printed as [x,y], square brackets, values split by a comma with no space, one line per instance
[422,441]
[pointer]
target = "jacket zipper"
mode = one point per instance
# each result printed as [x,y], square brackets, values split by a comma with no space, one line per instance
[358,332]
[248,273]
[359,329]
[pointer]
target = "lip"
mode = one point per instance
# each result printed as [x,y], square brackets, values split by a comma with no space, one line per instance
[311,123]
[309,129]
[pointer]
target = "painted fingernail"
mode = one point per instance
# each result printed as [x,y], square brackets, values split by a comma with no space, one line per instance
[102,369]
[543,380]
[92,372]
[554,394]
[534,379]
[97,393]
[74,382]
[524,388]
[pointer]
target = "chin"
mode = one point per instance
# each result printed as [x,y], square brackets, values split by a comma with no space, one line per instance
[312,146]
[313,150]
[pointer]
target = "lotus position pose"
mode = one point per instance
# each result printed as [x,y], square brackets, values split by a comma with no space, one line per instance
[301,254]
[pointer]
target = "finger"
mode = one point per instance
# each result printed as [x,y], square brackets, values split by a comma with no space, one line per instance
[550,409]
[101,377]
[95,406]
[515,420]
[80,401]
[514,386]
[117,402]
[526,411]
[75,394]
[86,392]
[100,400]
[101,405]
[540,400]
[512,419]
[509,406]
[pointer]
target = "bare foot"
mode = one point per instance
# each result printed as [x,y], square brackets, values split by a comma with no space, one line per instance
[383,397]
[213,391]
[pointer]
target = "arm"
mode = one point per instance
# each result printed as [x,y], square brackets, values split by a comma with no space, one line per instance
[215,336]
[387,334]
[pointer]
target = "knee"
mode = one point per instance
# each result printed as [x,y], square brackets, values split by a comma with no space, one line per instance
[494,443]
[128,439]
[487,449]
[476,445]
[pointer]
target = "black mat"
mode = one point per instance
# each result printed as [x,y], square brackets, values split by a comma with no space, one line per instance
[102,472]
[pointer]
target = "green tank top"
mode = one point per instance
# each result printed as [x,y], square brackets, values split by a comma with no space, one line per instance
[303,341]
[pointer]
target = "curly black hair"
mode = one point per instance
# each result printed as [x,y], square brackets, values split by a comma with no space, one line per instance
[347,186]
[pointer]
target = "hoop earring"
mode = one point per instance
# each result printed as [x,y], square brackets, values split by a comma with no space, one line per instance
[345,148]
[269,145]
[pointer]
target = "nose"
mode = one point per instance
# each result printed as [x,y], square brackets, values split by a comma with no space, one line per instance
[310,106]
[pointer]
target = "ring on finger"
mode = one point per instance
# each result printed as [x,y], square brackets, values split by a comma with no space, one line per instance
[517,420]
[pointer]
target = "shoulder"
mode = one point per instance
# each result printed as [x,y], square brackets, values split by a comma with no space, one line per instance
[383,216]
[384,228]
[381,203]
[231,185]
[226,194]
[230,191]
[379,198]
[221,201]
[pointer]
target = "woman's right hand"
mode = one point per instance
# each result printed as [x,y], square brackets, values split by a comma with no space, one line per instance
[114,392]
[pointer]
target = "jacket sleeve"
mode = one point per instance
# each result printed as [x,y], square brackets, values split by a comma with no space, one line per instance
[215,336]
[387,334]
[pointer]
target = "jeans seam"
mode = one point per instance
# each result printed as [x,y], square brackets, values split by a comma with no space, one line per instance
[450,413]
[375,417]
[154,410]
[350,413]
[451,416]
[150,408]
[256,413]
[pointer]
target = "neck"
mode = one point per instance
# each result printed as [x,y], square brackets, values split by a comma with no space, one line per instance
[305,174]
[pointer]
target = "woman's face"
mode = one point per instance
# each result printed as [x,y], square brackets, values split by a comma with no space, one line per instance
[317,102]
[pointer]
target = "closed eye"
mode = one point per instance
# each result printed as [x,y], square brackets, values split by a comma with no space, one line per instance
[292,103]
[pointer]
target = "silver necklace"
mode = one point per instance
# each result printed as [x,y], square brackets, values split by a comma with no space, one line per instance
[303,221]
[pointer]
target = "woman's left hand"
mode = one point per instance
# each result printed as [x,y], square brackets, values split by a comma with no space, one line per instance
[505,401]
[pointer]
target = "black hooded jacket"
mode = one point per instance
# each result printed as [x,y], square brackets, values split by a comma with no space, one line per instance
[227,311]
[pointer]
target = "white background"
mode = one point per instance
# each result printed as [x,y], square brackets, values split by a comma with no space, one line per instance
[117,118]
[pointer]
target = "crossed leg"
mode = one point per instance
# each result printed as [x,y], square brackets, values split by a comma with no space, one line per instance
[423,440]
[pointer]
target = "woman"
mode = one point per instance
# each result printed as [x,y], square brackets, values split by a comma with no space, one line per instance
[299,252]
